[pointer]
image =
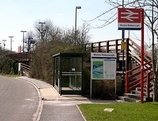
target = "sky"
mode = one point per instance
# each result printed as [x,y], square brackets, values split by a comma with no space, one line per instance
[17,15]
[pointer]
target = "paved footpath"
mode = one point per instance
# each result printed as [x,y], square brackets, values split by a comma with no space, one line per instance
[53,107]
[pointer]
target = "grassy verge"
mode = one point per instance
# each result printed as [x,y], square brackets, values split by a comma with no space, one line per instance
[12,75]
[121,112]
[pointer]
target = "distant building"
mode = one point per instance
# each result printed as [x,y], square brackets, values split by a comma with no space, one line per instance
[19,49]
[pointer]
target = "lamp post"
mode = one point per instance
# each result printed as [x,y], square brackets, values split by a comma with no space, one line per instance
[123,63]
[11,42]
[77,7]
[23,39]
[41,31]
[4,43]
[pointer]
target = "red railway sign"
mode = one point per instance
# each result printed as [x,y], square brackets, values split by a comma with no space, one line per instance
[129,19]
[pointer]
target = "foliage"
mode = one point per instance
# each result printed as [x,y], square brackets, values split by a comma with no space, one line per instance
[105,89]
[12,75]
[8,66]
[55,40]
[121,112]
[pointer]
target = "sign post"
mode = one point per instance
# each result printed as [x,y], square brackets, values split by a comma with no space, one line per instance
[142,57]
[103,67]
[133,19]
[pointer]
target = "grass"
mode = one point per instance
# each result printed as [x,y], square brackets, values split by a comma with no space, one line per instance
[121,112]
[12,75]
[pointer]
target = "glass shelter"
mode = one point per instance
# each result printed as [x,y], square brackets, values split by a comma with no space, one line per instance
[67,73]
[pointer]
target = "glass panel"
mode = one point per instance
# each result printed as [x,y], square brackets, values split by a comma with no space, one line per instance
[71,64]
[75,82]
[71,73]
[57,71]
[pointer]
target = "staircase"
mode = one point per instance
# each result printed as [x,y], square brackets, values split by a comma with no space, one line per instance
[132,67]
[25,69]
[23,58]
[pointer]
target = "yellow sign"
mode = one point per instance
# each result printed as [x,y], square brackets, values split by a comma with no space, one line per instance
[123,45]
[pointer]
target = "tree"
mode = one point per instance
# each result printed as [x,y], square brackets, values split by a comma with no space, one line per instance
[46,30]
[151,18]
[55,40]
[8,66]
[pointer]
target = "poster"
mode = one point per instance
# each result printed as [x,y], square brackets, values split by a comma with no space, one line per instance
[103,65]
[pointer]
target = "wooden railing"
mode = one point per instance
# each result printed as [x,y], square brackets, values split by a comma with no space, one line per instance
[19,56]
[132,75]
[133,79]
[135,47]
[26,69]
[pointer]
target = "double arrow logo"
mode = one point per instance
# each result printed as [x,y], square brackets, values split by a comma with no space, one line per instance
[129,18]
[130,15]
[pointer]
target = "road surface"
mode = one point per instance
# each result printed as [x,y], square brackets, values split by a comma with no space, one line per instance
[18,100]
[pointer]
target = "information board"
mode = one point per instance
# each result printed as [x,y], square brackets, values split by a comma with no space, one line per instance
[103,66]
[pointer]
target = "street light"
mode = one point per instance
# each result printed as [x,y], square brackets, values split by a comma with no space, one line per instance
[77,7]
[23,39]
[11,43]
[4,43]
[42,31]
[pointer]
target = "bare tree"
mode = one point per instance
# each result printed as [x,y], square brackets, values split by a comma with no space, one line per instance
[55,40]
[49,31]
[151,21]
[82,34]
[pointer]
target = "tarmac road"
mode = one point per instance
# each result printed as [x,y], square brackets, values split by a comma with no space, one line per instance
[18,100]
[27,99]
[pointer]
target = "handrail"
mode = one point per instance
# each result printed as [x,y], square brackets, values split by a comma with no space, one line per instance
[106,46]
[130,85]
[25,67]
[132,76]
[145,52]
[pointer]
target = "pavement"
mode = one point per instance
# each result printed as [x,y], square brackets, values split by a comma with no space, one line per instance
[55,107]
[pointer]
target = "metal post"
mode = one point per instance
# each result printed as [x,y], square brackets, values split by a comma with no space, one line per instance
[11,43]
[123,64]
[142,57]
[4,43]
[153,51]
[41,31]
[77,7]
[3,52]
[23,40]
[0,50]
[28,45]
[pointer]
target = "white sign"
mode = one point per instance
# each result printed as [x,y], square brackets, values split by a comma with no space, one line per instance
[19,66]
[103,66]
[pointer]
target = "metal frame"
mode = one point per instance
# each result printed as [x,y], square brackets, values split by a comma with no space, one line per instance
[62,56]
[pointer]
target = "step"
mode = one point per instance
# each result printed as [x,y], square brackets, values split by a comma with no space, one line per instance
[128,99]
[130,95]
[139,89]
[137,92]
[135,96]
